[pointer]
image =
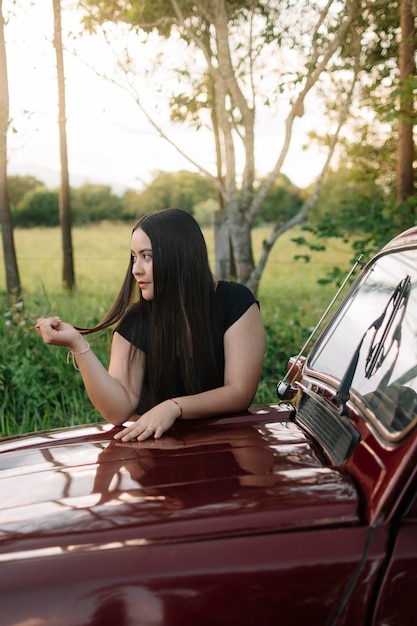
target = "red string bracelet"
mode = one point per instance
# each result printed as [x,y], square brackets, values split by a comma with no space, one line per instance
[178,405]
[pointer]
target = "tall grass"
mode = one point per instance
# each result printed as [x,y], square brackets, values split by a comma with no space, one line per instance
[38,390]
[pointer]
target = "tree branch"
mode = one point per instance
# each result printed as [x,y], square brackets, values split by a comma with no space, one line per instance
[298,105]
[279,229]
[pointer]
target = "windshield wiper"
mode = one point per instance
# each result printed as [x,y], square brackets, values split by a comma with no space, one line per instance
[377,352]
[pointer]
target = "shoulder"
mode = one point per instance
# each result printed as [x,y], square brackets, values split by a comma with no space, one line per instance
[133,325]
[231,301]
[129,315]
[231,291]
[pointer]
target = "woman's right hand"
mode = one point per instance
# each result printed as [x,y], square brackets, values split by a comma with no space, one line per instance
[109,391]
[58,333]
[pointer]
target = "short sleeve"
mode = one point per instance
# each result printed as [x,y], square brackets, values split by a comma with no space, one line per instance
[127,324]
[232,300]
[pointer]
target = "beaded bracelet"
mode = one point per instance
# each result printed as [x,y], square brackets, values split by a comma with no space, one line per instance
[178,405]
[72,354]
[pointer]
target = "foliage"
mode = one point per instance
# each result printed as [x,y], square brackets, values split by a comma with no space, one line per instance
[345,198]
[282,202]
[204,212]
[132,205]
[365,222]
[35,205]
[92,203]
[38,207]
[18,186]
[357,200]
[162,16]
[35,392]
[176,189]
[284,336]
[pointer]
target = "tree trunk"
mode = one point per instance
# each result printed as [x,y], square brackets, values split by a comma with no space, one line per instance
[236,119]
[405,173]
[68,276]
[221,246]
[12,273]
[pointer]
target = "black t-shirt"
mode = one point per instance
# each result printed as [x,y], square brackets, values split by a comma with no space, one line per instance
[231,301]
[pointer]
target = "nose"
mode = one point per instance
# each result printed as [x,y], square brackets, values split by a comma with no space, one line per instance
[137,268]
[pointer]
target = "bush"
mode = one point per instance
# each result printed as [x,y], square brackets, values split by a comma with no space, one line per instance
[18,186]
[38,207]
[204,212]
[284,339]
[94,203]
[281,204]
[38,390]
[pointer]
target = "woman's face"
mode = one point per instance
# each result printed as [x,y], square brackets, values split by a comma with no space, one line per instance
[142,268]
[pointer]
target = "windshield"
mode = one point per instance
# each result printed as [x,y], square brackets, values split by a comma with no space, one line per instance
[371,348]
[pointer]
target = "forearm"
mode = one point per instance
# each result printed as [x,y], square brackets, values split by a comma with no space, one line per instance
[222,400]
[105,392]
[160,418]
[108,390]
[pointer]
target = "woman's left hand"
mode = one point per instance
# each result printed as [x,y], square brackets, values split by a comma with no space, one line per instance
[153,423]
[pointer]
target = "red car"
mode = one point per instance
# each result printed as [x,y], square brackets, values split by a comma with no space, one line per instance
[303,512]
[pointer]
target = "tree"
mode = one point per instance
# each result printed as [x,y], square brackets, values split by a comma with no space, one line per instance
[38,207]
[230,45]
[68,275]
[283,201]
[176,189]
[407,75]
[19,185]
[388,94]
[12,273]
[91,203]
[188,190]
[376,164]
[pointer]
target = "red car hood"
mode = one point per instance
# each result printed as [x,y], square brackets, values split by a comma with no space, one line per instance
[208,478]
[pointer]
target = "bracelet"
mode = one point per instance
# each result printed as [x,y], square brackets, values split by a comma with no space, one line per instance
[178,405]
[72,354]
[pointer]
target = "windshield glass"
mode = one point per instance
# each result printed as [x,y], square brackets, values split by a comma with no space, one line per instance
[373,339]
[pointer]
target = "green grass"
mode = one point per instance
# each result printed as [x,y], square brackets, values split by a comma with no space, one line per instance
[38,390]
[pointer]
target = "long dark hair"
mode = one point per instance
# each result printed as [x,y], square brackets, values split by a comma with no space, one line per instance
[180,313]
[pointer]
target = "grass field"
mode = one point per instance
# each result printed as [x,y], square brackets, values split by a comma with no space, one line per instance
[37,390]
[101,255]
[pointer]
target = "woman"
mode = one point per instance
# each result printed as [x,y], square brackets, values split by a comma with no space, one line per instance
[188,347]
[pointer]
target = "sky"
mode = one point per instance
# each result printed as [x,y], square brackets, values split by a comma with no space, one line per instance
[109,139]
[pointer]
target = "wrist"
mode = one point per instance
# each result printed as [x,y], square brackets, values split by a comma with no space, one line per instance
[78,350]
[80,346]
[179,407]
